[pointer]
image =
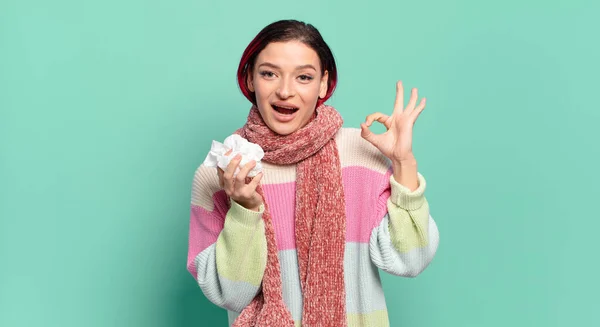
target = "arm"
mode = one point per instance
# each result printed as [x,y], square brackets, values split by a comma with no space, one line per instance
[227,246]
[405,240]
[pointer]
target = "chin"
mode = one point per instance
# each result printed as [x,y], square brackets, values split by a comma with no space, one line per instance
[284,129]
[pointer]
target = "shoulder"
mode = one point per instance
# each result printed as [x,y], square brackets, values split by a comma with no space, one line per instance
[355,151]
[205,185]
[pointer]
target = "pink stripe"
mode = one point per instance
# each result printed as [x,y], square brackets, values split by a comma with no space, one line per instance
[281,199]
[366,193]
[205,227]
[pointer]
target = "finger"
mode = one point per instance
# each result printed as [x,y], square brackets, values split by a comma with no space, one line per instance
[420,107]
[232,166]
[399,104]
[228,174]
[379,117]
[414,95]
[241,176]
[368,135]
[254,183]
[220,174]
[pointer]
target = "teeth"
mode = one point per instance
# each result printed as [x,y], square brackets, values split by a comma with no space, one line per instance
[290,108]
[284,110]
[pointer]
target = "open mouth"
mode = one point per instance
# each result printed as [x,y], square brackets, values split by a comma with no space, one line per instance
[285,110]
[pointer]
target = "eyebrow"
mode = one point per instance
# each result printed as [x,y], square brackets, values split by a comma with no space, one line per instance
[297,67]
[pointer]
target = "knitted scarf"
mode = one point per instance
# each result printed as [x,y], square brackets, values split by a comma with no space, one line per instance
[320,223]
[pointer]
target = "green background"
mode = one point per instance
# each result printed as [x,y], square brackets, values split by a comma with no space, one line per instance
[107,107]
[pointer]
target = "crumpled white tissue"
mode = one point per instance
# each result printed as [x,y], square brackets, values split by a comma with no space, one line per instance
[250,151]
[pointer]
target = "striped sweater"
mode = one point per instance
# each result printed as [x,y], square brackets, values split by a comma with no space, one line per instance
[388,227]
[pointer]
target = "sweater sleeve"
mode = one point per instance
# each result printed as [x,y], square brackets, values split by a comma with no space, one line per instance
[406,239]
[227,252]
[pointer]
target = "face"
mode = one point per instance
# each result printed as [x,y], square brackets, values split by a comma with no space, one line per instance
[287,82]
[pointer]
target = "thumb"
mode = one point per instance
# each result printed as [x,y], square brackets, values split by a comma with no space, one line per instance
[367,134]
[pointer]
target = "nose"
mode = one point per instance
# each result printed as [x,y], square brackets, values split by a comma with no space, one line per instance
[285,89]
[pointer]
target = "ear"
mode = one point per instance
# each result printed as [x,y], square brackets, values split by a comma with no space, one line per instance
[323,87]
[249,82]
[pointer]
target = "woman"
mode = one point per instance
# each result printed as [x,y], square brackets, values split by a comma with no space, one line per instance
[300,243]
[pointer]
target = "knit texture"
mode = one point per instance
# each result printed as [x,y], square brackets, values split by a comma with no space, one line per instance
[320,223]
[388,229]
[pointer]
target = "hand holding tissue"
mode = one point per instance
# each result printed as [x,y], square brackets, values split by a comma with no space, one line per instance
[249,151]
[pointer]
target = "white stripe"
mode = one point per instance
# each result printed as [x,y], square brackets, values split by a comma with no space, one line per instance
[364,292]
[232,295]
[409,264]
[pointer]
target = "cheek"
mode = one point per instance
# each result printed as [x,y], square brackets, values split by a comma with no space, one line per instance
[263,90]
[311,92]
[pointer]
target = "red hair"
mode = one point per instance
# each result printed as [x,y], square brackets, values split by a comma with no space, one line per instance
[281,31]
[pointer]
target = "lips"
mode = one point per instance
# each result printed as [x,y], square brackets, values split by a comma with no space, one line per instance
[284,112]
[284,108]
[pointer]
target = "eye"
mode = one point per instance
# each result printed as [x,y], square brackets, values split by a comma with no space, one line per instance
[266,73]
[305,78]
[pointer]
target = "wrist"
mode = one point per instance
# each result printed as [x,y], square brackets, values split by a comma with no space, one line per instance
[406,173]
[404,167]
[251,206]
[406,161]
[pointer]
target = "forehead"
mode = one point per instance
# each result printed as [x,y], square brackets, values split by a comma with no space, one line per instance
[288,55]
